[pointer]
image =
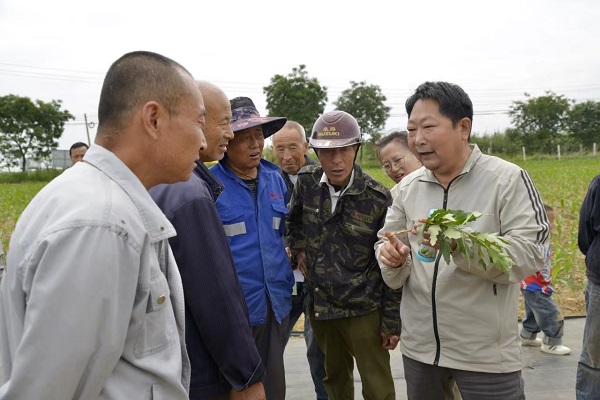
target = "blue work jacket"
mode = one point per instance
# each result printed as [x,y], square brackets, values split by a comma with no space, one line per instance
[254,229]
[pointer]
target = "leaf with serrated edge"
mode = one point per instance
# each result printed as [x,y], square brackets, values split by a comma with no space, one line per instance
[452,233]
[434,232]
[444,226]
[446,250]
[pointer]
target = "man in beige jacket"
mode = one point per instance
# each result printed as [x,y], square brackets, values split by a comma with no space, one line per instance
[459,320]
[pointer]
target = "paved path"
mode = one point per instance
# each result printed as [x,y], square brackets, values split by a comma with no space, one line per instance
[547,377]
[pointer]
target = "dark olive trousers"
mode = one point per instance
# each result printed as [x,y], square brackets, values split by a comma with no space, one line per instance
[358,338]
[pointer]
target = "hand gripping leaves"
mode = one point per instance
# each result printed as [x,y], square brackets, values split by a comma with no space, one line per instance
[444,226]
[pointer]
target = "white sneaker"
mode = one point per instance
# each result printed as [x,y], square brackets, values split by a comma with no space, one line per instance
[537,342]
[558,350]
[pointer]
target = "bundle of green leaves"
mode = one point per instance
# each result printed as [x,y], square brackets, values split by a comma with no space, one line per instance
[444,226]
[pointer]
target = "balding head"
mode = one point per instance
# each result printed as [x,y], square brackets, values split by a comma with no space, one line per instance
[218,121]
[210,89]
[133,80]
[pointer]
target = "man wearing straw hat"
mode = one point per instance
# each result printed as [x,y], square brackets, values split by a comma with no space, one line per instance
[252,209]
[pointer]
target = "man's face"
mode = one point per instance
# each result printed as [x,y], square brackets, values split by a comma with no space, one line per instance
[338,163]
[182,137]
[245,149]
[77,154]
[218,126]
[290,148]
[438,144]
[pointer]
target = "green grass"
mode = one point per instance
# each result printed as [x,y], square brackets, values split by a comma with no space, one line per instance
[14,197]
[40,175]
[562,184]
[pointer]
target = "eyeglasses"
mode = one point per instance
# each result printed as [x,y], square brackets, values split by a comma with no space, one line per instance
[396,163]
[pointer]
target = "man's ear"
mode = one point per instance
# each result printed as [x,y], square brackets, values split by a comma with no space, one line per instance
[464,127]
[151,118]
[305,148]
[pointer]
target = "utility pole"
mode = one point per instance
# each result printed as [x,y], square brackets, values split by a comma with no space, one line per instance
[87,129]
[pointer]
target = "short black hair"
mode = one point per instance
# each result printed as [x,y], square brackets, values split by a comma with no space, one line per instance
[396,135]
[134,79]
[453,100]
[76,146]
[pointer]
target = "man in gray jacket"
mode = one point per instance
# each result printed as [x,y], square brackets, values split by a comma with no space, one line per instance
[459,320]
[91,305]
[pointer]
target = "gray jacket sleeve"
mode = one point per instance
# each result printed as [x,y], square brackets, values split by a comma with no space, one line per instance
[523,222]
[79,286]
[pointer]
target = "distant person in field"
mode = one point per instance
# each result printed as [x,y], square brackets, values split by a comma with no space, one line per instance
[291,151]
[77,151]
[588,369]
[541,313]
[91,304]
[458,319]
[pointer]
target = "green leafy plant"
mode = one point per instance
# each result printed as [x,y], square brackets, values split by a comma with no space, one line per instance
[444,226]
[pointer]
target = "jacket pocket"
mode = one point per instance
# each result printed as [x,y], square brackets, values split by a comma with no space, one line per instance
[158,329]
[233,221]
[354,229]
[279,213]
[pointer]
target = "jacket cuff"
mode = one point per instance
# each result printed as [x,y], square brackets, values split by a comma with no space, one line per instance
[256,377]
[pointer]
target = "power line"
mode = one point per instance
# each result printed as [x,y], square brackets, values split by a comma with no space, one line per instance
[16,69]
[498,97]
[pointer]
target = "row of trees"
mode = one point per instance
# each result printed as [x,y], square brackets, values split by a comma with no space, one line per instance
[31,129]
[541,123]
[301,98]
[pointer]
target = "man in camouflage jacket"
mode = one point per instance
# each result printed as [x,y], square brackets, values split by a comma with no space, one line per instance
[332,227]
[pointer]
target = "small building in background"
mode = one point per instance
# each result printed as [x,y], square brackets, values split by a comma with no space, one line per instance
[60,159]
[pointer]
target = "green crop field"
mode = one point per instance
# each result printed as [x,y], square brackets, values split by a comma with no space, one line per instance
[562,184]
[14,197]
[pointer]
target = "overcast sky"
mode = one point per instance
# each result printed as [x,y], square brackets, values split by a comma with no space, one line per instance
[496,50]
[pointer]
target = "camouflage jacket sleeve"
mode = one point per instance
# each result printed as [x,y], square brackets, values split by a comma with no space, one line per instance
[294,231]
[391,310]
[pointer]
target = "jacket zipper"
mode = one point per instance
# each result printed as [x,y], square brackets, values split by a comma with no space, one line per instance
[434,286]
[434,311]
